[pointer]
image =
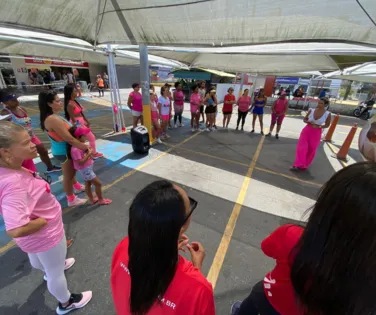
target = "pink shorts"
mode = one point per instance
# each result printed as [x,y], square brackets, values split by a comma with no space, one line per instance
[165,117]
[194,109]
[277,119]
[154,115]
[35,140]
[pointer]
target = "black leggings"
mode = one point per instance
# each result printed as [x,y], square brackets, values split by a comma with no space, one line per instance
[176,117]
[257,302]
[242,116]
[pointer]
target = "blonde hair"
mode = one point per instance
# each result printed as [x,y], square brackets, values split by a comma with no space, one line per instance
[7,131]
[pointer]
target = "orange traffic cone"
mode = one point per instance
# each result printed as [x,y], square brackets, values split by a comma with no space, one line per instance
[333,125]
[342,153]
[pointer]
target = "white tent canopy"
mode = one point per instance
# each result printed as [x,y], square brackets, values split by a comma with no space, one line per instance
[15,42]
[197,22]
[361,73]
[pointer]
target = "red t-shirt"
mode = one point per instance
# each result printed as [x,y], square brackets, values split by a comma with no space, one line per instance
[189,292]
[277,284]
[228,107]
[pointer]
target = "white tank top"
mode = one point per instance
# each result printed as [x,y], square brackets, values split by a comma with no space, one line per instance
[320,121]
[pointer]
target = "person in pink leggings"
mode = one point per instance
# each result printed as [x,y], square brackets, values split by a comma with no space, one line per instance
[195,102]
[33,216]
[74,113]
[279,110]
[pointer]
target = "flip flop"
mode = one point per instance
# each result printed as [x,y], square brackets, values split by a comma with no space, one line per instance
[95,200]
[105,201]
[69,242]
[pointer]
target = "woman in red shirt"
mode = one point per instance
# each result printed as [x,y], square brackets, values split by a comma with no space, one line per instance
[327,268]
[148,276]
[228,104]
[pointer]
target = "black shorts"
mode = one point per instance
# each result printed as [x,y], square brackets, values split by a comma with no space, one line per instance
[201,109]
[227,113]
[210,109]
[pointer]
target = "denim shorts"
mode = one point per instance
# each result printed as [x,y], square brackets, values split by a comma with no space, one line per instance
[61,158]
[88,173]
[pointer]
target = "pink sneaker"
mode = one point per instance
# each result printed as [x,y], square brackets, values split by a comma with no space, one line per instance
[97,155]
[76,301]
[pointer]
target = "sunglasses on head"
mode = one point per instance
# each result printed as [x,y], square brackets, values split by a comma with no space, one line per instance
[193,205]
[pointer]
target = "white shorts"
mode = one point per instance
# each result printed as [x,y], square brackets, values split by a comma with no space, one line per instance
[87,173]
[136,113]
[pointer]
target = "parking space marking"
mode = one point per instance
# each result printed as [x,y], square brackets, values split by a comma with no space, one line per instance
[230,227]
[246,165]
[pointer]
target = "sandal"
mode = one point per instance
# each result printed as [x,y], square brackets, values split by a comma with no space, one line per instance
[105,202]
[69,242]
[95,200]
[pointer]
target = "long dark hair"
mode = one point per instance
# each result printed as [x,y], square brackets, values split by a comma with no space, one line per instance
[155,219]
[333,272]
[45,110]
[68,91]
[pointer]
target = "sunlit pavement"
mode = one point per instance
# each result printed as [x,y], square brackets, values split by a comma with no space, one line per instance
[230,173]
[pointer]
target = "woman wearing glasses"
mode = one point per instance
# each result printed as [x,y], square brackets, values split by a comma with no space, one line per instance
[148,276]
[33,216]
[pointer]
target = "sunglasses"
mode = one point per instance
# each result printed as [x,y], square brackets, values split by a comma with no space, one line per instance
[193,205]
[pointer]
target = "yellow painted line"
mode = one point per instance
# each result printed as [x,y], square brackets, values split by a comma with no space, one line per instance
[68,209]
[230,227]
[7,246]
[247,165]
[334,150]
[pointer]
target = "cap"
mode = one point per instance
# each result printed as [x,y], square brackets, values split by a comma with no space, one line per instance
[81,132]
[8,97]
[213,91]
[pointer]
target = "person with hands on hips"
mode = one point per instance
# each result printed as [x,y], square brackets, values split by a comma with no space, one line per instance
[148,276]
[33,216]
[279,110]
[316,119]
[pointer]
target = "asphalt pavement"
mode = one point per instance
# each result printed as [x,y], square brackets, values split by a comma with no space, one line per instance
[241,181]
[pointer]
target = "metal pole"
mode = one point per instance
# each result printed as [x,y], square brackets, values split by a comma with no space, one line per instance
[145,86]
[306,103]
[116,98]
[119,99]
[241,84]
[110,74]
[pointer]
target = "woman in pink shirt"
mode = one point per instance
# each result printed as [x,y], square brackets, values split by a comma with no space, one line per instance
[279,110]
[178,104]
[244,103]
[33,216]
[196,102]
[135,104]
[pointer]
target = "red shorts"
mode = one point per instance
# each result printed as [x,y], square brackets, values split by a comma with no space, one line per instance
[277,119]
[154,115]
[35,140]
[165,117]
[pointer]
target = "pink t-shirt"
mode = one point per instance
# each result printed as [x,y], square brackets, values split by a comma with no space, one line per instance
[280,105]
[136,101]
[179,98]
[153,105]
[195,102]
[244,102]
[77,155]
[23,198]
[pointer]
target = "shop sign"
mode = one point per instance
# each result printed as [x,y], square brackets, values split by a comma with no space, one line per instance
[55,63]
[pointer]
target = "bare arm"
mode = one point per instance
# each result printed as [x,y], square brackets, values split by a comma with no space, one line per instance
[306,116]
[60,128]
[215,100]
[32,227]
[130,100]
[87,156]
[273,107]
[286,108]
[327,121]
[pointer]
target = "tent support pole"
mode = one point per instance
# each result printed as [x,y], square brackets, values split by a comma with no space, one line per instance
[111,82]
[145,86]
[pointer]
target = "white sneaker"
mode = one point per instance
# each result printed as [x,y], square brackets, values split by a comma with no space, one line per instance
[193,129]
[175,126]
[77,202]
[159,140]
[69,262]
[207,129]
[76,301]
[181,125]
